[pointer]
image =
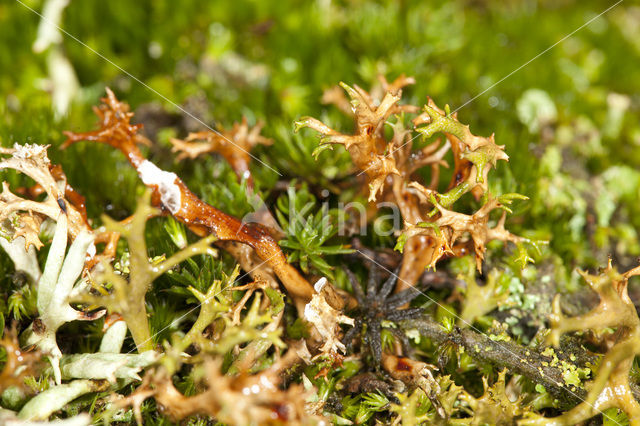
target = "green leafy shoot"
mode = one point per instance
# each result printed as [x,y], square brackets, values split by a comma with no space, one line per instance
[307,234]
[22,303]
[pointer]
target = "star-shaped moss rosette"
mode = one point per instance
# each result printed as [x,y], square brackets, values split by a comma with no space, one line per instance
[376,306]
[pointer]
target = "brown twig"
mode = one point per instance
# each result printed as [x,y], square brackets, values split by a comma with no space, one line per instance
[527,362]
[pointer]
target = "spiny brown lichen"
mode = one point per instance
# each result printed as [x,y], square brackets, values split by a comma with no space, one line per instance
[115,124]
[367,146]
[244,399]
[234,145]
[19,363]
[432,229]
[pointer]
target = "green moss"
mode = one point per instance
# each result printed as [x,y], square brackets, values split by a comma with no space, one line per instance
[568,120]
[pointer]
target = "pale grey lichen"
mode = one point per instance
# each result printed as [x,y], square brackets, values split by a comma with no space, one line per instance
[24,260]
[9,418]
[108,366]
[114,337]
[54,288]
[41,406]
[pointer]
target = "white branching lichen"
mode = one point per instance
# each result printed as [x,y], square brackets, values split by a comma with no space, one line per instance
[108,366]
[24,260]
[9,418]
[54,288]
[41,406]
[114,337]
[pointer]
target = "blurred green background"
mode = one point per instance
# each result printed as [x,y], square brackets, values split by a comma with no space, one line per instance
[569,119]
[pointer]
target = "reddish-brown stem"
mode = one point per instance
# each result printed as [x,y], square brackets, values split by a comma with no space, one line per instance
[204,219]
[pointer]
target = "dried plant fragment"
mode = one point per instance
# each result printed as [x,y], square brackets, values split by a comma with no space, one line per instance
[326,319]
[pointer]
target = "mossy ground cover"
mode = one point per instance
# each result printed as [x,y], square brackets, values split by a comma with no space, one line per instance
[477,341]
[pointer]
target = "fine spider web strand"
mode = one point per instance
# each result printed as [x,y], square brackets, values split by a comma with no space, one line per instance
[146,86]
[508,75]
[524,360]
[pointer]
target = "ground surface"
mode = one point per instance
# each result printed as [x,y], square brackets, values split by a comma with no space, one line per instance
[567,116]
